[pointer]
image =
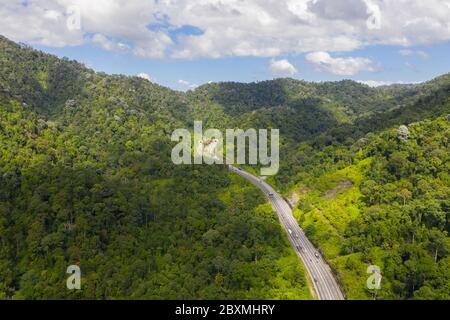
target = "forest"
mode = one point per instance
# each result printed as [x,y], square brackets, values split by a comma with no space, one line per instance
[86,179]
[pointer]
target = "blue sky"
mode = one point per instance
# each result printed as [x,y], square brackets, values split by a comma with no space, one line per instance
[393,67]
[185,43]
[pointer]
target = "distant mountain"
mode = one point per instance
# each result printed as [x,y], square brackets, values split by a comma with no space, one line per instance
[304,110]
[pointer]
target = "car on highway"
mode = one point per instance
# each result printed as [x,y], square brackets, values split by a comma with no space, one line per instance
[315,268]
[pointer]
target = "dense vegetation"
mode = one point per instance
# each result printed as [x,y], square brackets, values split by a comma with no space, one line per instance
[385,204]
[364,198]
[86,178]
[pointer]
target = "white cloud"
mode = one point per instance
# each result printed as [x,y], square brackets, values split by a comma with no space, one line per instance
[282,68]
[408,52]
[339,66]
[229,28]
[423,54]
[184,82]
[145,76]
[187,84]
[378,83]
[108,44]
[52,15]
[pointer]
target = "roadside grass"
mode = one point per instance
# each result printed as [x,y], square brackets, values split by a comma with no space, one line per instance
[324,212]
[352,274]
[290,282]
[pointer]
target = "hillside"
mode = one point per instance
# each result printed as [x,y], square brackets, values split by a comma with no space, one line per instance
[387,207]
[86,178]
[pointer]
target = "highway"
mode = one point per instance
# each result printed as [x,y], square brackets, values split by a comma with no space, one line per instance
[325,284]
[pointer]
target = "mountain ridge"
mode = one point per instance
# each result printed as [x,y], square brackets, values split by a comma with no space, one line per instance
[86,177]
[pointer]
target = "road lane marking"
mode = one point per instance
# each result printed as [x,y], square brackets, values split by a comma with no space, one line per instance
[327,287]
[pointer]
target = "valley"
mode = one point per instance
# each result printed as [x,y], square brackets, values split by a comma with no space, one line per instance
[86,178]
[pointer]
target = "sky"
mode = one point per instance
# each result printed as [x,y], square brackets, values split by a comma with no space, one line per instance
[185,43]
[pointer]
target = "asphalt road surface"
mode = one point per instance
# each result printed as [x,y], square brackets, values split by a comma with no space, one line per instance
[322,277]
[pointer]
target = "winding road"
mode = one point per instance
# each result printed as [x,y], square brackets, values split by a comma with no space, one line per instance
[325,284]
